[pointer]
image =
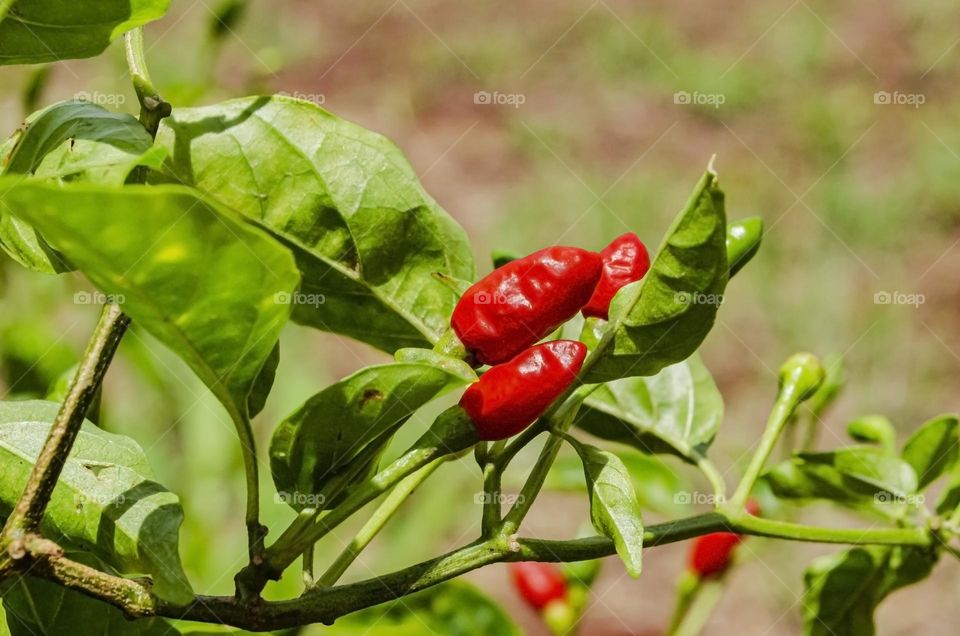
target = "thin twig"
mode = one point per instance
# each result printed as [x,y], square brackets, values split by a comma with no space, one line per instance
[29,510]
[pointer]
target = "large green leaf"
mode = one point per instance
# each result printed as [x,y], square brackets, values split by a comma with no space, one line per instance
[35,607]
[69,141]
[206,284]
[663,318]
[367,237]
[849,475]
[933,448]
[677,411]
[654,481]
[335,426]
[614,509]
[105,502]
[843,590]
[454,608]
[35,31]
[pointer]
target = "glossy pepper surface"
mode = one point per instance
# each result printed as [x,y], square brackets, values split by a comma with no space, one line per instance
[713,553]
[521,302]
[625,260]
[510,396]
[539,584]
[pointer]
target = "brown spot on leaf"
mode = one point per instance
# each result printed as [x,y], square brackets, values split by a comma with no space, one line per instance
[370,395]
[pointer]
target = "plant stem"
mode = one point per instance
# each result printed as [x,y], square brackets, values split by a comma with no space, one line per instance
[308,579]
[451,434]
[519,443]
[563,416]
[152,107]
[758,526]
[531,488]
[327,604]
[717,483]
[779,416]
[29,510]
[699,610]
[377,521]
[688,587]
[492,477]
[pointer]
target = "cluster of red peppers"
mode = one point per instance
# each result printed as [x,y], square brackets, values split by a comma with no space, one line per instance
[499,319]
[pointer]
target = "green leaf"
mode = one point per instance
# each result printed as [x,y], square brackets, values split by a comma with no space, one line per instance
[35,31]
[69,141]
[843,590]
[654,482]
[37,607]
[849,475]
[614,509]
[677,411]
[455,608]
[933,448]
[334,427]
[105,502]
[263,383]
[367,237]
[662,319]
[199,279]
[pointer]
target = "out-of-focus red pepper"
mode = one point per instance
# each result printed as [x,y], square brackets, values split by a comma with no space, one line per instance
[521,302]
[510,396]
[713,553]
[625,260]
[539,584]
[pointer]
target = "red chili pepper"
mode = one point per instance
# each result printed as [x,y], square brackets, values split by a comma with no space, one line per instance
[538,583]
[510,396]
[712,553]
[625,260]
[521,302]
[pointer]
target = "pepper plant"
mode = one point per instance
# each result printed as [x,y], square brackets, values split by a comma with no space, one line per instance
[212,228]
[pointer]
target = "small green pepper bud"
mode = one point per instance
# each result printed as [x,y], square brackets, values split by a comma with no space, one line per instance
[743,241]
[873,429]
[800,377]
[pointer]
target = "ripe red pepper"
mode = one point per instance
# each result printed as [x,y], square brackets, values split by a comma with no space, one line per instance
[712,553]
[625,260]
[510,396]
[521,302]
[539,584]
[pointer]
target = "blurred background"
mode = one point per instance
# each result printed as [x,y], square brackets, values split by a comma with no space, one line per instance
[536,123]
